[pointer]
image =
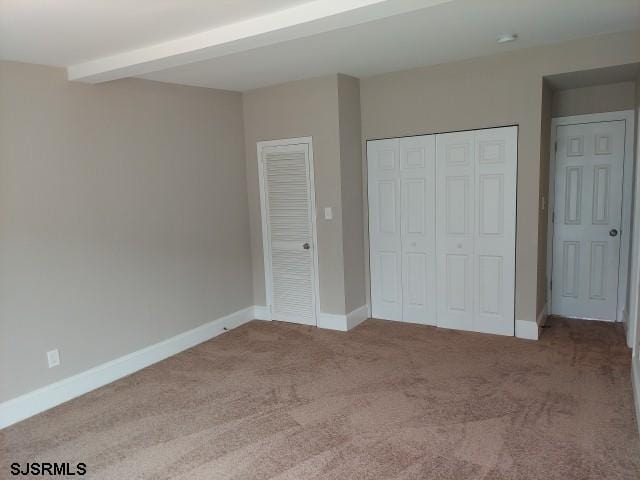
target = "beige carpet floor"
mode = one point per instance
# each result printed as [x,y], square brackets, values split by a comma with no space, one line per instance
[386,400]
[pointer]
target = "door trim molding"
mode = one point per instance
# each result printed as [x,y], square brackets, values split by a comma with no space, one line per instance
[627,199]
[266,251]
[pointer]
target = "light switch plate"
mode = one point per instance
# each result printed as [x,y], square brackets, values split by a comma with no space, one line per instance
[53,357]
[328,213]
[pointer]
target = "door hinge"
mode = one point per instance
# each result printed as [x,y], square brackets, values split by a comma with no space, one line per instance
[551,285]
[553,217]
[555,146]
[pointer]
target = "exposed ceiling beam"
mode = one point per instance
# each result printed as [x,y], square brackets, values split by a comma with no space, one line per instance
[296,22]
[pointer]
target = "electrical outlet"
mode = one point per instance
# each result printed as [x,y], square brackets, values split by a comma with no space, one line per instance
[328,213]
[53,357]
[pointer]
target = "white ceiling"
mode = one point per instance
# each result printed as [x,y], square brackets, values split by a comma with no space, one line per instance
[358,37]
[66,32]
[453,31]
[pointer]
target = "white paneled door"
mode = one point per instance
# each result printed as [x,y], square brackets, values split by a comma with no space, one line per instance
[442,212]
[286,187]
[417,227]
[455,227]
[476,225]
[402,228]
[587,219]
[385,249]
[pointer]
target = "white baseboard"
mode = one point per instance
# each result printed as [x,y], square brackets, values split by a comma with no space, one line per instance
[343,323]
[527,330]
[358,316]
[44,398]
[332,321]
[635,380]
[262,312]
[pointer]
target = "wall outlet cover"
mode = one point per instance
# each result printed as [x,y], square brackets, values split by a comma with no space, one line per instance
[53,357]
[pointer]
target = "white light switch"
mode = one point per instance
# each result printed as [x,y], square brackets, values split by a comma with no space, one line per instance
[53,357]
[328,213]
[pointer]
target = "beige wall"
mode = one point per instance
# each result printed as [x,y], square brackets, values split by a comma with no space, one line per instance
[611,97]
[327,109]
[543,214]
[123,218]
[351,191]
[300,109]
[499,90]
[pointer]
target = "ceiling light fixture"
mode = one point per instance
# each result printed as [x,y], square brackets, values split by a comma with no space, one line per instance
[507,37]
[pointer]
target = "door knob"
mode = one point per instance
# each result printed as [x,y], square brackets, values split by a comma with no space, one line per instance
[306,246]
[613,232]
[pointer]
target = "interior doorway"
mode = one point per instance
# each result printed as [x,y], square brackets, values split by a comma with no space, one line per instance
[591,183]
[287,201]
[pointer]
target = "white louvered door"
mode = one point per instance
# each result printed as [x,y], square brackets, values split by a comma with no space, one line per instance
[288,215]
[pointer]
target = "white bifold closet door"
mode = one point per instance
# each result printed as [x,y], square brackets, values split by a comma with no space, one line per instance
[402,228]
[476,222]
[442,211]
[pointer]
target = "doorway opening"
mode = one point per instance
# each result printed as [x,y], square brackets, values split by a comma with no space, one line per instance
[590,195]
[592,176]
[287,203]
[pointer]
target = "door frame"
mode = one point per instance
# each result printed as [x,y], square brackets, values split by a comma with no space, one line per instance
[628,116]
[266,244]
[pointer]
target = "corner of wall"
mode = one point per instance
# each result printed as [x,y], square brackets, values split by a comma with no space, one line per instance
[543,197]
[351,186]
[291,103]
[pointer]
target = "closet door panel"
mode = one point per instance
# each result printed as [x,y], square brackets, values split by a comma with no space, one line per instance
[442,229]
[494,286]
[417,180]
[385,228]
[455,161]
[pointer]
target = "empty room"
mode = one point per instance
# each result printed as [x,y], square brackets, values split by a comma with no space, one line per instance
[320,239]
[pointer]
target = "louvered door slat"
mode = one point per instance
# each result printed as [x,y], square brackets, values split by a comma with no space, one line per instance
[288,208]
